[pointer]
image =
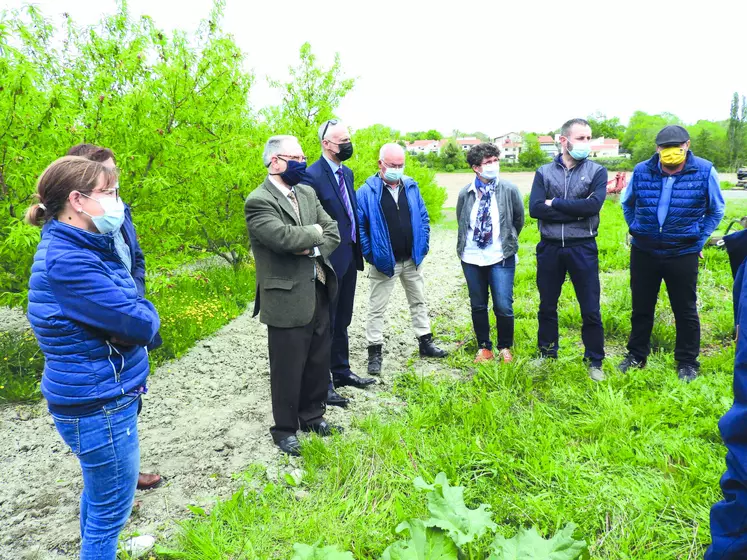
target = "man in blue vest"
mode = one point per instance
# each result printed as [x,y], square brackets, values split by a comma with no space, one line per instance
[672,205]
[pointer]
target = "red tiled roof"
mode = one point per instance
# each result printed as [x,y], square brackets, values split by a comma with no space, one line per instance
[545,140]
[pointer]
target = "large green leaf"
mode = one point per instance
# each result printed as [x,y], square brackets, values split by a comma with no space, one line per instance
[528,544]
[425,543]
[319,552]
[450,513]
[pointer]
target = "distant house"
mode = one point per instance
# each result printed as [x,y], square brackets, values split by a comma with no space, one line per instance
[511,145]
[509,137]
[547,144]
[423,147]
[464,143]
[605,147]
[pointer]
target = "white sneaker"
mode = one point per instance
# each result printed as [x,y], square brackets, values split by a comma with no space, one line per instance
[596,373]
[139,546]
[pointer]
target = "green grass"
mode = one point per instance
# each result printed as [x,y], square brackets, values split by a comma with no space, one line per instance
[633,461]
[191,305]
[727,185]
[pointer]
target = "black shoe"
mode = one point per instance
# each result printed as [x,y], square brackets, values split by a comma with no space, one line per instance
[631,361]
[687,372]
[336,399]
[323,429]
[374,359]
[428,349]
[349,379]
[290,446]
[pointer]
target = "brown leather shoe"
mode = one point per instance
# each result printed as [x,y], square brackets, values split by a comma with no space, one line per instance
[147,481]
[483,355]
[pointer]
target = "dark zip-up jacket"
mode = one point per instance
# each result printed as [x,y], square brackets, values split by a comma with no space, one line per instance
[577,196]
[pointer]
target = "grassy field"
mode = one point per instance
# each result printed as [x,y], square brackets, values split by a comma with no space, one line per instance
[634,461]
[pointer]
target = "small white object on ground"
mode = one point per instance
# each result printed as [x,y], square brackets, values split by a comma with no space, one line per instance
[139,546]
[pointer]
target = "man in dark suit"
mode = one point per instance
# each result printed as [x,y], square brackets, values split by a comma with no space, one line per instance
[292,237]
[334,185]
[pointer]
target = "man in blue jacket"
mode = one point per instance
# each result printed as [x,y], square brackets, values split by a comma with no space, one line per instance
[672,205]
[129,251]
[394,237]
[729,516]
[567,195]
[334,186]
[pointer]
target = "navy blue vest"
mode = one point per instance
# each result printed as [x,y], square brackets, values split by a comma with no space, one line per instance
[682,229]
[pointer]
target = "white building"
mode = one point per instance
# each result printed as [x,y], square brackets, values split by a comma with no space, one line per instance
[547,144]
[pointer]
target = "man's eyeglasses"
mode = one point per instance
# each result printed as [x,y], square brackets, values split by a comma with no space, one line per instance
[300,159]
[393,165]
[332,122]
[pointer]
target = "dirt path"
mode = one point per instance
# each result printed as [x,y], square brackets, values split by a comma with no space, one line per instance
[205,419]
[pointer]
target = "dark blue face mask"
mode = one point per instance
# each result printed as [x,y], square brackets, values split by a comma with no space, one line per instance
[293,174]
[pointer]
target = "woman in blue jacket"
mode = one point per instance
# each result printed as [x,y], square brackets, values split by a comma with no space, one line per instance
[93,327]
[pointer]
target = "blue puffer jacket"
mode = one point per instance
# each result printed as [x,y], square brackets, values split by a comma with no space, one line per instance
[374,233]
[81,296]
[683,228]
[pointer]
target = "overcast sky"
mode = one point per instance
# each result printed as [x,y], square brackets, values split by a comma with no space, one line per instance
[489,65]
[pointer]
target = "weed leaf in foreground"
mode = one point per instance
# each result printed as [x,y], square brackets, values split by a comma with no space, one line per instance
[425,543]
[450,513]
[318,552]
[528,544]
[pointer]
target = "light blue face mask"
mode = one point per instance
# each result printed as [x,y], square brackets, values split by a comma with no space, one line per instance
[393,174]
[114,214]
[579,150]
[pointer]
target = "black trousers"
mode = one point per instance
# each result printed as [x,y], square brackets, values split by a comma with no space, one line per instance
[299,371]
[341,314]
[581,263]
[680,274]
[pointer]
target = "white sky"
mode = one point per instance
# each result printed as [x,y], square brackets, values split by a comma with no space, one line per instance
[489,65]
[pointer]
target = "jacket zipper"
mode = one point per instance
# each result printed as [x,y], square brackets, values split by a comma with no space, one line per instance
[565,196]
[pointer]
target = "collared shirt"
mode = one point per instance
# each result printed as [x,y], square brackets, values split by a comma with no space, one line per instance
[332,165]
[715,201]
[285,191]
[393,189]
[123,250]
[493,253]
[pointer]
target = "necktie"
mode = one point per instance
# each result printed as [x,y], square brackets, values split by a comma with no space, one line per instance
[346,201]
[319,264]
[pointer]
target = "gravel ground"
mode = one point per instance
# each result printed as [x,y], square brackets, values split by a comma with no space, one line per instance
[205,419]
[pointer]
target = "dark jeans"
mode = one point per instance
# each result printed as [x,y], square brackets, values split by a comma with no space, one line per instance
[499,278]
[341,314]
[299,371]
[581,262]
[681,277]
[106,444]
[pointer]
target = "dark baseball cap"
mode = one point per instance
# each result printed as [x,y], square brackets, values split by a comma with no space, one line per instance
[673,134]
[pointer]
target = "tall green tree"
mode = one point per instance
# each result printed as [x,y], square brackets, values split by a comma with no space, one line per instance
[639,138]
[310,97]
[601,126]
[736,131]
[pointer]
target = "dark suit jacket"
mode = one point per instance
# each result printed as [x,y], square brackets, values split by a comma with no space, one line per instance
[286,285]
[319,176]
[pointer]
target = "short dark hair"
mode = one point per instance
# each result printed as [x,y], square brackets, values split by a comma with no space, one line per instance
[566,128]
[92,152]
[478,153]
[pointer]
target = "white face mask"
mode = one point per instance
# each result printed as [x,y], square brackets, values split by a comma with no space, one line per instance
[113,217]
[490,171]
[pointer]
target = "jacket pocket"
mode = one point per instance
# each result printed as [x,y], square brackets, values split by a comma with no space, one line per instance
[69,430]
[278,284]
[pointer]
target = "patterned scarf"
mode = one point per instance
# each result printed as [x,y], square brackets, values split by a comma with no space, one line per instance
[484,223]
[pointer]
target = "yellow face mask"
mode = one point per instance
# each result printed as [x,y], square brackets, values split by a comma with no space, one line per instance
[673,156]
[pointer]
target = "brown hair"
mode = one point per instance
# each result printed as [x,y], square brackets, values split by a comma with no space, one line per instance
[92,152]
[65,175]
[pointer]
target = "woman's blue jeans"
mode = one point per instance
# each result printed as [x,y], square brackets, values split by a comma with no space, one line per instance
[106,444]
[499,279]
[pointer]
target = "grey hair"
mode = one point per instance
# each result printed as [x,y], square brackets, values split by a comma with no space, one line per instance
[325,126]
[565,130]
[386,147]
[274,146]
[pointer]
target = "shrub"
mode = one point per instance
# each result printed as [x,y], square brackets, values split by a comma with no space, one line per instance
[21,366]
[449,168]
